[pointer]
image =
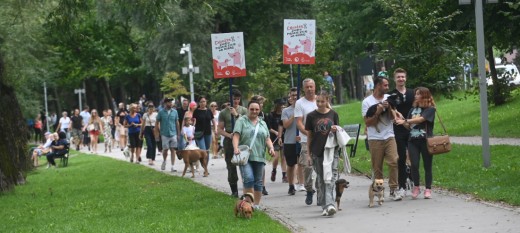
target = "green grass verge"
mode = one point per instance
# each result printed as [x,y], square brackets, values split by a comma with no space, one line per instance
[461,116]
[98,194]
[461,170]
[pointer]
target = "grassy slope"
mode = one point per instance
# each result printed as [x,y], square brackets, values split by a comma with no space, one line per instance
[98,194]
[460,116]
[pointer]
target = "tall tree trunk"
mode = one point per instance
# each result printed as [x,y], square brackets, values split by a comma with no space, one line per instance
[14,159]
[497,93]
[107,94]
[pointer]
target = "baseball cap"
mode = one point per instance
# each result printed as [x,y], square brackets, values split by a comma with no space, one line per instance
[168,99]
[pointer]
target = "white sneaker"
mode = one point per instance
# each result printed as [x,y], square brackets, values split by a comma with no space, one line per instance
[331,210]
[163,165]
[48,165]
[126,153]
[324,213]
[402,192]
[395,195]
[301,188]
[173,169]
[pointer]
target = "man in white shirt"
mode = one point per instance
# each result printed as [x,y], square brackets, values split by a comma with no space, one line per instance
[381,143]
[85,114]
[304,106]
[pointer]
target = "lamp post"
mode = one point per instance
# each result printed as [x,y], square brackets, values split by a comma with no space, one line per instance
[486,152]
[190,69]
[79,92]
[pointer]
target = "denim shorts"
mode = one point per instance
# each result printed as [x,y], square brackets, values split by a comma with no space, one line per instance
[252,175]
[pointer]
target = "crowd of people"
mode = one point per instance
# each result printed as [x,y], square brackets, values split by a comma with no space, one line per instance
[293,133]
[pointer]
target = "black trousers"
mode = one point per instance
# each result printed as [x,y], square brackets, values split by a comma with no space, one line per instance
[150,142]
[232,169]
[402,146]
[416,148]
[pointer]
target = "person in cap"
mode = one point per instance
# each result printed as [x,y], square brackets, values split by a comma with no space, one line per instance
[167,123]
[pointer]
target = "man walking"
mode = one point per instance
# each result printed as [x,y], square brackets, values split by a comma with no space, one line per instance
[226,121]
[85,114]
[304,106]
[291,149]
[181,110]
[404,104]
[381,142]
[168,124]
[76,128]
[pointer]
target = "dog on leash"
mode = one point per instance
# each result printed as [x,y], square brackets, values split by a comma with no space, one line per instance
[376,190]
[192,156]
[341,185]
[393,101]
[244,206]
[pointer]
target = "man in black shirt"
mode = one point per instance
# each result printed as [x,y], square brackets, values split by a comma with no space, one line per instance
[181,111]
[404,104]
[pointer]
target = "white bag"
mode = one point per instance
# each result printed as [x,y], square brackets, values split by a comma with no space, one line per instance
[243,157]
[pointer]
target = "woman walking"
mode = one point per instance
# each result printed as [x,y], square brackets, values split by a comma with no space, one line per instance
[420,120]
[107,130]
[94,127]
[319,124]
[251,130]
[133,123]
[214,141]
[203,130]
[149,124]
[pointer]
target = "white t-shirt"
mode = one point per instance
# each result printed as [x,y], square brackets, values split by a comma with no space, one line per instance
[385,125]
[149,119]
[86,117]
[189,131]
[65,122]
[301,109]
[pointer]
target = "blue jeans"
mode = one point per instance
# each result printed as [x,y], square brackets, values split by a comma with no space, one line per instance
[204,143]
[252,175]
[182,144]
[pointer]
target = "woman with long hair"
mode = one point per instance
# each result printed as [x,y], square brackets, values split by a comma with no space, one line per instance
[214,141]
[273,122]
[133,122]
[94,127]
[319,124]
[107,130]
[149,119]
[203,127]
[420,120]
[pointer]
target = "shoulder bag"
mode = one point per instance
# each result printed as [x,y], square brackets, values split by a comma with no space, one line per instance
[242,158]
[439,144]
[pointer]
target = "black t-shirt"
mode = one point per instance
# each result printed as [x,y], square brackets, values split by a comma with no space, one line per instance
[204,118]
[273,121]
[425,129]
[404,105]
[122,114]
[181,112]
[77,121]
[319,125]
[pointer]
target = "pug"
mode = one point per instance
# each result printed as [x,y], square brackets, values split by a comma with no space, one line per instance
[376,190]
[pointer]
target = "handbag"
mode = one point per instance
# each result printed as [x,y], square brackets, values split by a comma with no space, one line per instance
[90,127]
[199,134]
[439,144]
[241,158]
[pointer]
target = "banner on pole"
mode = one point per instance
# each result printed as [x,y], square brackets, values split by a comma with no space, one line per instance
[299,38]
[229,58]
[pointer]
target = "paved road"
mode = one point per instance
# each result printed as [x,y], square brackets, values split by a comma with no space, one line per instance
[444,213]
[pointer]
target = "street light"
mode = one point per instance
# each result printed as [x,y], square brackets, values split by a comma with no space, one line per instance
[486,152]
[190,69]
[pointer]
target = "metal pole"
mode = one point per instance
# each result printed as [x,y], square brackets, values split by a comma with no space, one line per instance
[483,84]
[80,104]
[465,82]
[46,107]
[190,70]
[292,79]
[231,101]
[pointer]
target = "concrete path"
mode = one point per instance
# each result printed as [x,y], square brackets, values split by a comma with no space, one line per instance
[446,212]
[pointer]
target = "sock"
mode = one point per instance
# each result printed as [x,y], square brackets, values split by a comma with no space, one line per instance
[283,174]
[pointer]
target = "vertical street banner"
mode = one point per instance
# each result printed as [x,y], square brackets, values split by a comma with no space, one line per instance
[299,38]
[229,59]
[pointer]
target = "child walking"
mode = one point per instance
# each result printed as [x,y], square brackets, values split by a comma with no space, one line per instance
[188,132]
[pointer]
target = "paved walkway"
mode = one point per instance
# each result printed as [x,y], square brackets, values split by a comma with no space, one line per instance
[446,212]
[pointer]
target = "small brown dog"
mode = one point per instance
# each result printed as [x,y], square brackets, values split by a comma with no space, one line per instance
[376,190]
[341,185]
[244,206]
[192,156]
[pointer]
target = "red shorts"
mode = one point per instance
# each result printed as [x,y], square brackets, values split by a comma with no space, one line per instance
[94,132]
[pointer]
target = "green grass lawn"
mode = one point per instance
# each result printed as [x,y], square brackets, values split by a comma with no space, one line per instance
[461,170]
[461,116]
[99,194]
